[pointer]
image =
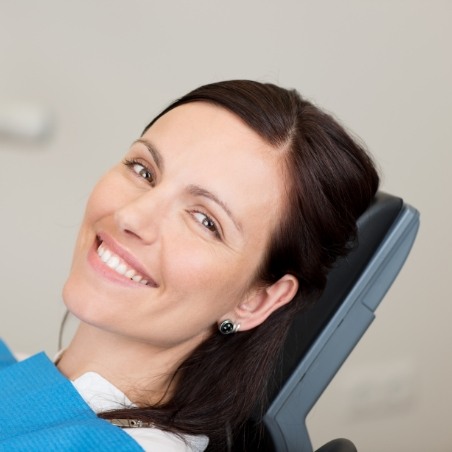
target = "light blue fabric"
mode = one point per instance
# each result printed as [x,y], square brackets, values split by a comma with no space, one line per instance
[41,410]
[6,357]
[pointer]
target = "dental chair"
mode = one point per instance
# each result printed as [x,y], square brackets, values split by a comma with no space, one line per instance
[321,337]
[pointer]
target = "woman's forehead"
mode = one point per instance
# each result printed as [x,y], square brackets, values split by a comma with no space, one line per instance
[212,130]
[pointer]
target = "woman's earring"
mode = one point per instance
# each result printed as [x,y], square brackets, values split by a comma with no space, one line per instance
[228,326]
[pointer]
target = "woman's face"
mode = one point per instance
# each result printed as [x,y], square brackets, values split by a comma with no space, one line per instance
[181,226]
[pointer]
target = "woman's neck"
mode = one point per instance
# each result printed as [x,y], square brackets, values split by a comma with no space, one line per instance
[142,372]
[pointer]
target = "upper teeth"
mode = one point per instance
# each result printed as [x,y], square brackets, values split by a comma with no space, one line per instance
[119,266]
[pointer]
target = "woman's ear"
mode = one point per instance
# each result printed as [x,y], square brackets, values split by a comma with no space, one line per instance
[263,301]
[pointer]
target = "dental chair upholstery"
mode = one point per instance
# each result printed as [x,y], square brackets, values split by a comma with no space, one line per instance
[321,337]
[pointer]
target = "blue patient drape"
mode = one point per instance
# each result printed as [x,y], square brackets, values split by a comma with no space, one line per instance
[41,410]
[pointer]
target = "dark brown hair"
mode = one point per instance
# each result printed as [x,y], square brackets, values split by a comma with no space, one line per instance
[330,181]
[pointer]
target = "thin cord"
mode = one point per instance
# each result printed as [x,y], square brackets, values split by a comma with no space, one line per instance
[228,437]
[62,325]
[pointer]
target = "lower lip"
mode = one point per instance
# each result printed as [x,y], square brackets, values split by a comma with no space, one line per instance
[106,272]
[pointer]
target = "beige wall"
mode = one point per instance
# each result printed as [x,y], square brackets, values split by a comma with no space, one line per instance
[105,67]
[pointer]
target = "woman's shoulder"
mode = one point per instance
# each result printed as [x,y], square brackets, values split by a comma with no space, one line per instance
[101,395]
[151,439]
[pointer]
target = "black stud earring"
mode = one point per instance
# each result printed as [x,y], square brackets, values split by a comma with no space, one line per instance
[228,327]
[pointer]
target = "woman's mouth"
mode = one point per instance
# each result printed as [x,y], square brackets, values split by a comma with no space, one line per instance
[117,264]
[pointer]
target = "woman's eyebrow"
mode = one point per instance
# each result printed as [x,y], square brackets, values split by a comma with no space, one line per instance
[196,190]
[158,159]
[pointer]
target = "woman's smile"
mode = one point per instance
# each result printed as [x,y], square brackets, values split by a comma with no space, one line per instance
[114,262]
[117,264]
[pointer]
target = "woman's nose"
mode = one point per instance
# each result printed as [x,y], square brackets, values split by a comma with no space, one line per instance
[140,217]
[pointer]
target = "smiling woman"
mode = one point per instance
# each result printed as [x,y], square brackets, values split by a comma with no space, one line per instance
[177,218]
[196,251]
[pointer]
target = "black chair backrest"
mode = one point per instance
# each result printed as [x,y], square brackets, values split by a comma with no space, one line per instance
[387,216]
[373,225]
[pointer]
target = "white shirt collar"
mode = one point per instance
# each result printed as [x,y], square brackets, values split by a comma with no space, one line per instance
[100,394]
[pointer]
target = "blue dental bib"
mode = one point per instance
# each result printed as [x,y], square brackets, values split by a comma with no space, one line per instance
[41,410]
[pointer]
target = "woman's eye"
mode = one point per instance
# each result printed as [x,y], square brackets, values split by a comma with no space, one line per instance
[207,222]
[140,169]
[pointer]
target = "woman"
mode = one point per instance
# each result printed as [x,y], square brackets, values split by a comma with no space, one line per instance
[196,251]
